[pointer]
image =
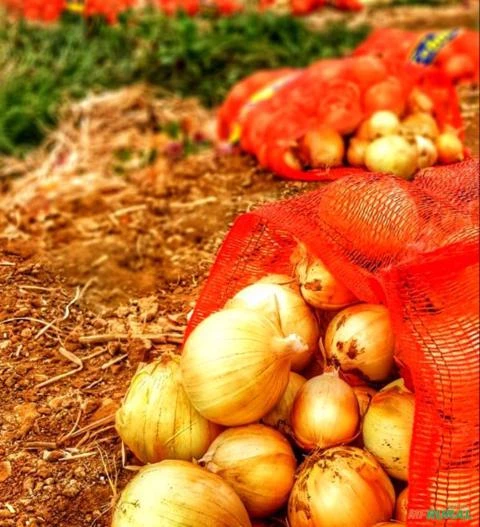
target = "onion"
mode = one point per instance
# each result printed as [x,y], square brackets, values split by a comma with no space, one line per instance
[420,124]
[156,419]
[449,147]
[401,507]
[459,66]
[280,279]
[356,152]
[427,152]
[279,417]
[364,396]
[383,123]
[259,464]
[325,413]
[385,95]
[419,101]
[321,148]
[342,486]
[367,70]
[173,493]
[286,307]
[387,428]
[317,284]
[235,366]
[393,155]
[360,340]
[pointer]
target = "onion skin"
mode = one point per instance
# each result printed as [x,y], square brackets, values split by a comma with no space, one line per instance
[280,279]
[401,507]
[279,417]
[325,413]
[258,463]
[360,340]
[388,427]
[156,419]
[364,395]
[392,154]
[173,493]
[288,308]
[235,366]
[342,486]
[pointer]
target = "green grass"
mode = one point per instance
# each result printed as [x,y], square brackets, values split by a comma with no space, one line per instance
[41,67]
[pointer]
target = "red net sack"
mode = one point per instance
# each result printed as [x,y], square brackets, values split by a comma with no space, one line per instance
[454,51]
[338,94]
[413,247]
[193,7]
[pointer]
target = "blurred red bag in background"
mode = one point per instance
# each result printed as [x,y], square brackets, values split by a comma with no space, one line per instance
[337,93]
[454,51]
[412,246]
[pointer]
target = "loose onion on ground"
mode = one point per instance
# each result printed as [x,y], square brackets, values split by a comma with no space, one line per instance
[259,464]
[156,419]
[279,417]
[318,286]
[235,366]
[360,340]
[388,426]
[285,306]
[341,486]
[392,154]
[173,493]
[325,413]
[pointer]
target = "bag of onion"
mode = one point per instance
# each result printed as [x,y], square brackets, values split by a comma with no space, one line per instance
[390,270]
[360,112]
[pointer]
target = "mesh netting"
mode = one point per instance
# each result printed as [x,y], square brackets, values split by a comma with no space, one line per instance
[413,247]
[269,111]
[454,51]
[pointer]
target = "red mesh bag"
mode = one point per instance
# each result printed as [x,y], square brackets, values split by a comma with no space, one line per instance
[374,232]
[334,93]
[455,51]
[193,7]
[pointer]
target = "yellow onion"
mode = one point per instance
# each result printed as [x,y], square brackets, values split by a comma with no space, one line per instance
[356,152]
[427,152]
[450,148]
[325,413]
[387,428]
[279,417]
[342,486]
[392,154]
[173,493]
[321,148]
[156,419]
[420,124]
[383,123]
[360,340]
[364,395]
[285,306]
[235,365]
[258,463]
[318,286]
[401,507]
[419,101]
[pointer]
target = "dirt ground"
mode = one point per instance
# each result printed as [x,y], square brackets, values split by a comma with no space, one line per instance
[97,274]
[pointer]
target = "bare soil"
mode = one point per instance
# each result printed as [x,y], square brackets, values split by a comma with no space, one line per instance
[96,278]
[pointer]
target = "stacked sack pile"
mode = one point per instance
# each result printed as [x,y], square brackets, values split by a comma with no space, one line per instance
[311,123]
[330,368]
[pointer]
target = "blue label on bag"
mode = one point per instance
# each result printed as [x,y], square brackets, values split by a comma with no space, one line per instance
[430,45]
